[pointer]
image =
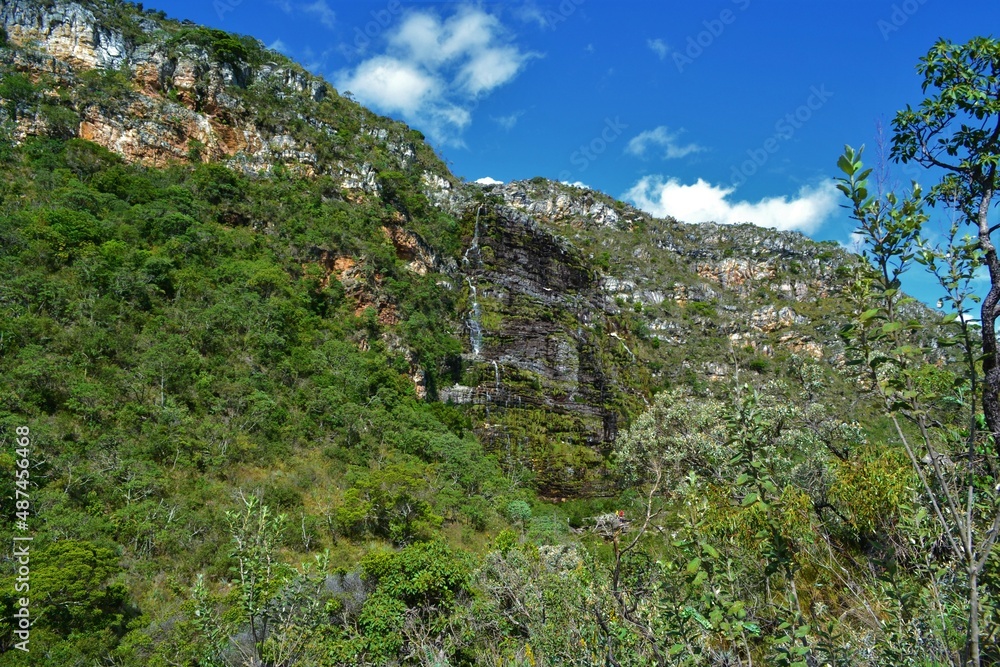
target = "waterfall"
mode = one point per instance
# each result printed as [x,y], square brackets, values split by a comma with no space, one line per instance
[496,372]
[475,242]
[475,316]
[475,328]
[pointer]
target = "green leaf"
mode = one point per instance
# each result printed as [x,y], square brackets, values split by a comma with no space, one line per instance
[845,165]
[694,566]
[750,499]
[869,314]
[878,361]
[890,327]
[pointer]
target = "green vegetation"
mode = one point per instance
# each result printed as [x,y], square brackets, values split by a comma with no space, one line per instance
[166,357]
[233,50]
[240,452]
[955,129]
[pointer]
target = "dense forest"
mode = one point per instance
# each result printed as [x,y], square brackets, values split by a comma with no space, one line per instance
[279,416]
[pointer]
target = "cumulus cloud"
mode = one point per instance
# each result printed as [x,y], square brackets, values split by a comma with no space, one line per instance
[394,85]
[434,70]
[659,47]
[703,202]
[489,69]
[487,180]
[663,139]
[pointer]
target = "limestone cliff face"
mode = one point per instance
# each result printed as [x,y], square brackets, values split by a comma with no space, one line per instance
[185,102]
[580,305]
[557,203]
[696,281]
[549,374]
[66,32]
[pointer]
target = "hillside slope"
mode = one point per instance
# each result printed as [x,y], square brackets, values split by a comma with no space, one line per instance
[225,285]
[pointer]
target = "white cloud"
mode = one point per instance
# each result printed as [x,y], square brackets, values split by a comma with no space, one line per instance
[433,70]
[489,69]
[531,13]
[548,18]
[321,11]
[509,121]
[487,180]
[659,47]
[664,139]
[392,85]
[704,202]
[279,46]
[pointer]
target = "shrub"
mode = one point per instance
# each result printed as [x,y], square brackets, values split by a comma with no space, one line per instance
[104,87]
[85,158]
[18,93]
[233,50]
[518,511]
[60,121]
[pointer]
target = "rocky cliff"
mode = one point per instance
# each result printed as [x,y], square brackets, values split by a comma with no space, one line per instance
[571,307]
[156,91]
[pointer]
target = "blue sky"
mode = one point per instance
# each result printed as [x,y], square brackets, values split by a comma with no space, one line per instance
[732,110]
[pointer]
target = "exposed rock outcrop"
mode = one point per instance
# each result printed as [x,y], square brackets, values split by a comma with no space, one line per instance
[67,32]
[183,101]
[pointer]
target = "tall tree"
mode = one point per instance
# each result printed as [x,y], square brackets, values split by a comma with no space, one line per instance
[956,129]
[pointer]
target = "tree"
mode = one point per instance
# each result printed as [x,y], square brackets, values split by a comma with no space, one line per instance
[732,521]
[957,129]
[255,532]
[274,612]
[888,345]
[75,588]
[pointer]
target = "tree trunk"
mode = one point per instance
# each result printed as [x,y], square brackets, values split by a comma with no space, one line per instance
[973,616]
[991,368]
[991,363]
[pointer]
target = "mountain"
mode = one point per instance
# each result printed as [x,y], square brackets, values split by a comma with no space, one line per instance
[227,286]
[557,294]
